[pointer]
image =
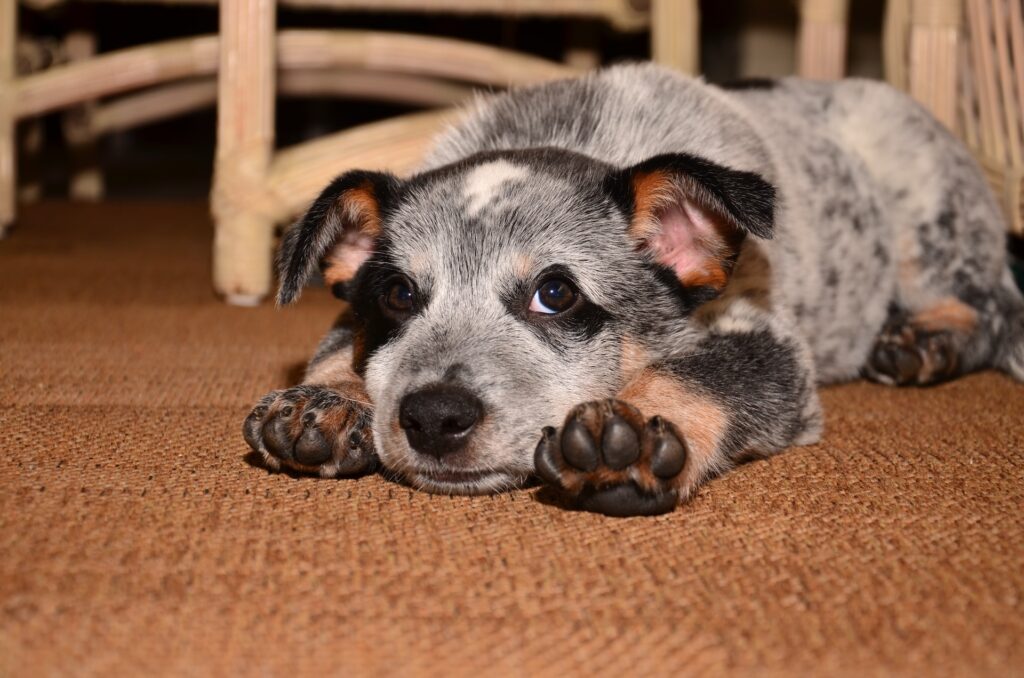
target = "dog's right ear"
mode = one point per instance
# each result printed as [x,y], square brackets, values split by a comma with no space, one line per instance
[337,234]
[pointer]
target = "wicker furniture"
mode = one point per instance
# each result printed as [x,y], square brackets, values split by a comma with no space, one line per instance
[256,187]
[821,39]
[964,60]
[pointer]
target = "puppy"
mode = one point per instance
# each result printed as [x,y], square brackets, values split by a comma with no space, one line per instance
[628,283]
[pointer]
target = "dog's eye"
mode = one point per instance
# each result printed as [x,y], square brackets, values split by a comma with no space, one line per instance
[553,296]
[400,297]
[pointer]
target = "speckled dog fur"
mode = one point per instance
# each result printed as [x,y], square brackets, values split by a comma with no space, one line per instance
[728,250]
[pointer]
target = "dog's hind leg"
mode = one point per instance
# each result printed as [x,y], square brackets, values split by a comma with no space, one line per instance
[922,348]
[951,337]
[1009,351]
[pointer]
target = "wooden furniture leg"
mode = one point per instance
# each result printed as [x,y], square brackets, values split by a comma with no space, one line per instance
[675,34]
[935,32]
[8,36]
[821,43]
[243,240]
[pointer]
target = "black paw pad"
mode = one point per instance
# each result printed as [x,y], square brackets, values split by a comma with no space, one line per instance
[899,363]
[620,501]
[312,448]
[578,447]
[606,459]
[277,436]
[669,454]
[312,429]
[620,445]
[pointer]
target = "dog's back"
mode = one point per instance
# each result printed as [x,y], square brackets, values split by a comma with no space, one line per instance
[882,215]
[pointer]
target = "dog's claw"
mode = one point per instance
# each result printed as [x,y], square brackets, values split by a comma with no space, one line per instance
[607,460]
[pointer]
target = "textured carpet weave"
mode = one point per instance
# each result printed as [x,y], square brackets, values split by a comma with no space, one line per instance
[135,538]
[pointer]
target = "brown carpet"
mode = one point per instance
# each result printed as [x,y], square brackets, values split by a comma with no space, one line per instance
[135,538]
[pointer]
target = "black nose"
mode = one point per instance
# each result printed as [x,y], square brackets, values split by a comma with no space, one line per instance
[438,419]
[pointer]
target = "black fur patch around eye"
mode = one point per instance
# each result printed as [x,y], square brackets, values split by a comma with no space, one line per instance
[364,294]
[584,321]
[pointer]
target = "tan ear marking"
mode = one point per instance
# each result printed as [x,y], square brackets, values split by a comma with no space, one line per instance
[664,207]
[359,209]
[713,276]
[650,191]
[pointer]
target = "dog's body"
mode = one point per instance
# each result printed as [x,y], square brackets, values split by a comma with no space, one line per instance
[663,268]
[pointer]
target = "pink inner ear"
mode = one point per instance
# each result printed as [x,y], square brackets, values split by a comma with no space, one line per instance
[686,241]
[348,255]
[357,247]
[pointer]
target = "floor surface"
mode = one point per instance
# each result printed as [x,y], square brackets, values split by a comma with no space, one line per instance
[135,538]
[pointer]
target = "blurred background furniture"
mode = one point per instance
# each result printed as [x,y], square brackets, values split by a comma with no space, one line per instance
[255,187]
[964,60]
[961,59]
[251,186]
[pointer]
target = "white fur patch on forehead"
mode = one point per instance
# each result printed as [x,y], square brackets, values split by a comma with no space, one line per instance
[484,181]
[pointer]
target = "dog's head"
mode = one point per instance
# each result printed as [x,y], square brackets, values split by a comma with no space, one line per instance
[494,294]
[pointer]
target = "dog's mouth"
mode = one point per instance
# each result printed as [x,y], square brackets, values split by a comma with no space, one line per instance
[455,481]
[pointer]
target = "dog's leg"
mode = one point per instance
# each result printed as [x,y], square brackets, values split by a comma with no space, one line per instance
[322,426]
[682,421]
[949,338]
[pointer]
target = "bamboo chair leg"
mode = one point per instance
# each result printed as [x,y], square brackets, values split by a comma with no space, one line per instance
[675,34]
[86,176]
[8,35]
[895,28]
[821,45]
[934,47]
[243,241]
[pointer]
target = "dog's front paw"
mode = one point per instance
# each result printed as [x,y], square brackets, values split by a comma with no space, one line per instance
[607,459]
[313,429]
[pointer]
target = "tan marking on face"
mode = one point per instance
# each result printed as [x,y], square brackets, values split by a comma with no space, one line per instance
[948,313]
[418,264]
[633,357]
[522,264]
[338,269]
[703,423]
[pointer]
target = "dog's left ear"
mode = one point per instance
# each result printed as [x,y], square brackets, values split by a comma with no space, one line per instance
[337,234]
[691,215]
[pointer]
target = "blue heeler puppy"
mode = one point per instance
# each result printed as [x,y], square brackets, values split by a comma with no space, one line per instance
[647,274]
